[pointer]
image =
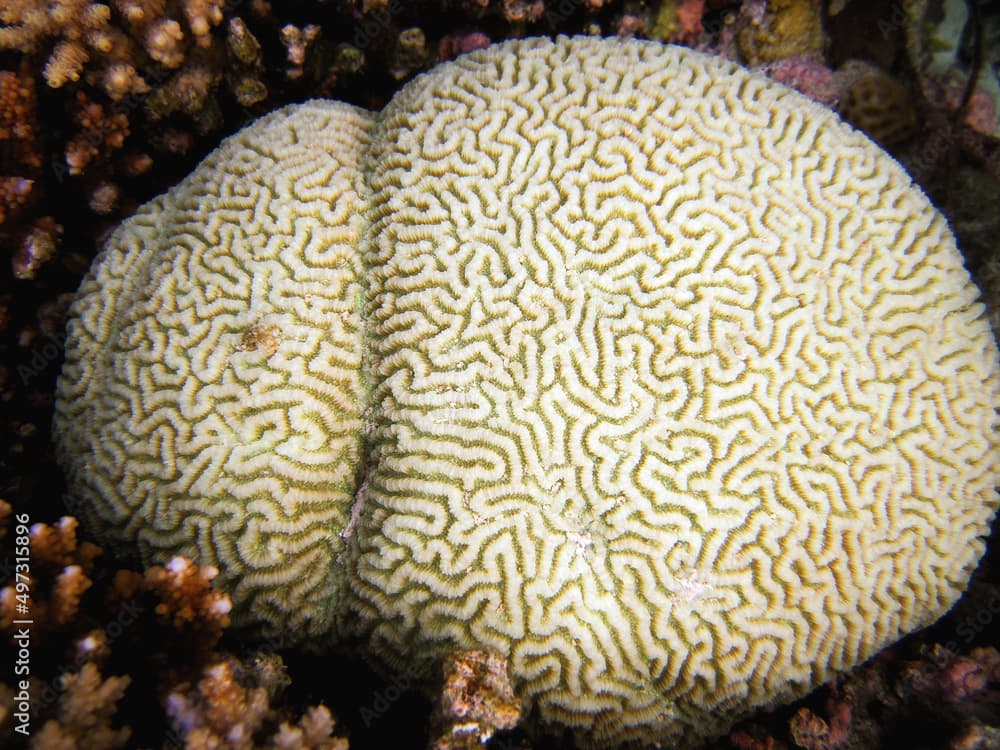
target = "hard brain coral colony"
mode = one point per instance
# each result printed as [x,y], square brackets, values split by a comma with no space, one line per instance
[645,372]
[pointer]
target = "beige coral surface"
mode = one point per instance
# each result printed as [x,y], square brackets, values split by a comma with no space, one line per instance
[216,412]
[641,370]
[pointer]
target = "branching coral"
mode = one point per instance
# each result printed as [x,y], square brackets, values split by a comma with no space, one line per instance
[121,79]
[84,714]
[218,710]
[59,575]
[20,157]
[202,16]
[115,54]
[58,546]
[73,708]
[14,194]
[187,599]
[163,42]
[84,32]
[101,132]
[229,709]
[81,25]
[19,120]
[184,601]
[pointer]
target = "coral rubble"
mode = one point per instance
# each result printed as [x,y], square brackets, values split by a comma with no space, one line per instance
[476,700]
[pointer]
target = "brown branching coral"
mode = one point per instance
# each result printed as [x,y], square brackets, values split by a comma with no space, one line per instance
[187,599]
[21,157]
[163,42]
[84,714]
[57,545]
[18,118]
[65,64]
[80,25]
[313,730]
[64,600]
[104,198]
[229,709]
[92,647]
[14,194]
[82,33]
[217,708]
[202,16]
[124,48]
[34,239]
[75,704]
[60,565]
[230,706]
[101,133]
[120,79]
[184,602]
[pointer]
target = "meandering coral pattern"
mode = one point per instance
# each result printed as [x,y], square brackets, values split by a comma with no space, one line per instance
[215,404]
[643,371]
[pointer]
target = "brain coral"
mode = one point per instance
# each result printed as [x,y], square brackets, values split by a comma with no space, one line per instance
[644,371]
